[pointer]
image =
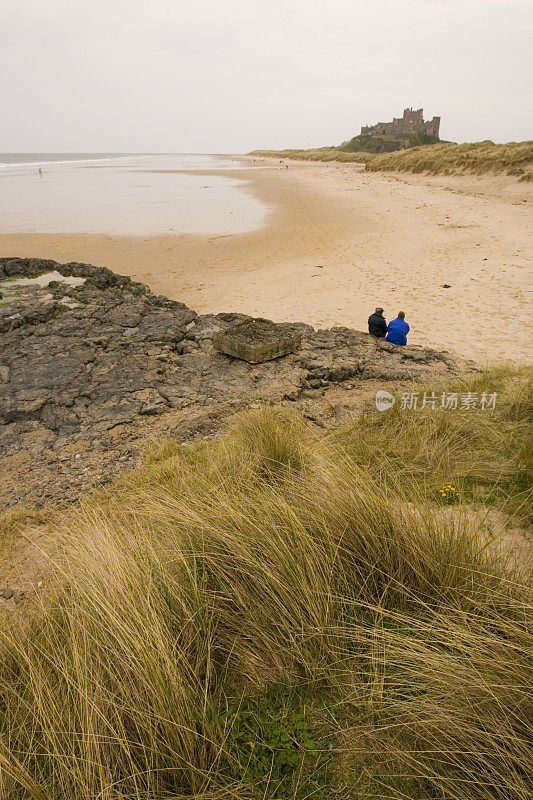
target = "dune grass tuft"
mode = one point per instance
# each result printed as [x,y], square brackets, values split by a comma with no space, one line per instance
[450,159]
[487,455]
[272,616]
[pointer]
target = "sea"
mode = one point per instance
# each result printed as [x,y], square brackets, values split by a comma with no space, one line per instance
[128,194]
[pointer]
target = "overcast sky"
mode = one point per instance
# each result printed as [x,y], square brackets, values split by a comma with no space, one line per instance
[232,75]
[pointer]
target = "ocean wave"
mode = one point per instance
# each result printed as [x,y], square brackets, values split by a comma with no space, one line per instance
[43,161]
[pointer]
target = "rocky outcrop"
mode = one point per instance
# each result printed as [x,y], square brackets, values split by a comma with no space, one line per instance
[77,362]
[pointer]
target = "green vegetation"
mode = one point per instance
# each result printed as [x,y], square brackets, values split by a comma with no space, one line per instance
[273,615]
[270,739]
[386,143]
[446,158]
[442,158]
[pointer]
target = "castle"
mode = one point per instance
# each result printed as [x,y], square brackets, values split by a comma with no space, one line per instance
[411,122]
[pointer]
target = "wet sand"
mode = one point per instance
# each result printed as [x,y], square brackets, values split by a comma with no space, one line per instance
[340,241]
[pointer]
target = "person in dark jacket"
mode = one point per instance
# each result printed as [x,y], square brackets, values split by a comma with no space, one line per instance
[398,330]
[376,324]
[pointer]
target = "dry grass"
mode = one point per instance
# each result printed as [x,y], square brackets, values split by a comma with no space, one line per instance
[444,158]
[270,600]
[450,159]
[486,455]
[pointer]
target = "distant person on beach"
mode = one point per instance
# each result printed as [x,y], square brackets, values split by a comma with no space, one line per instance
[40,172]
[398,330]
[376,324]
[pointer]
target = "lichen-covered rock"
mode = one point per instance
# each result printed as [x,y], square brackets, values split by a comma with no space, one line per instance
[257,340]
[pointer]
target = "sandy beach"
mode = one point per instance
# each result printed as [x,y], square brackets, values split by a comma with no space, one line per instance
[339,241]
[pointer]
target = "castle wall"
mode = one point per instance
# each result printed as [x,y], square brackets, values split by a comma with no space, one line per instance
[411,122]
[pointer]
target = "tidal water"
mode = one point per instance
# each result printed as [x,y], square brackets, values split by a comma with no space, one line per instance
[15,288]
[125,194]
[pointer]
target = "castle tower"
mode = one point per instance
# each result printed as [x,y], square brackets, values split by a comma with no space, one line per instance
[432,128]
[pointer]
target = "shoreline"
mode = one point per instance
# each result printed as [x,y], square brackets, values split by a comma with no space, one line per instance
[338,241]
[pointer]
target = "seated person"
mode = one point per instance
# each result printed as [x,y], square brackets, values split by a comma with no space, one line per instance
[376,324]
[398,330]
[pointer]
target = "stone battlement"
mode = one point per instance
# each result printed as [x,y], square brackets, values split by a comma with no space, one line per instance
[411,122]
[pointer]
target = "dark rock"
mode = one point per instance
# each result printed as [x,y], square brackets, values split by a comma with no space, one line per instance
[315,420]
[123,356]
[199,427]
[256,340]
[151,409]
[415,355]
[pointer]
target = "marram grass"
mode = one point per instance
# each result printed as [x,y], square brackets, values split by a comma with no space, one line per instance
[268,616]
[513,158]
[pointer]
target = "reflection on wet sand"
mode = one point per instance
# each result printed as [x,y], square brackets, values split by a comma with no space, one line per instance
[138,196]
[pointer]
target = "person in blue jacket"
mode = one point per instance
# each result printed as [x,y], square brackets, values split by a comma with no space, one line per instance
[398,330]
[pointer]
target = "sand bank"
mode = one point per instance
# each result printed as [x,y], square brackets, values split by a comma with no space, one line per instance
[340,241]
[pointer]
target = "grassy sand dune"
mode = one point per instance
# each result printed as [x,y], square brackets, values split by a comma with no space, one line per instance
[514,158]
[318,154]
[444,158]
[276,616]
